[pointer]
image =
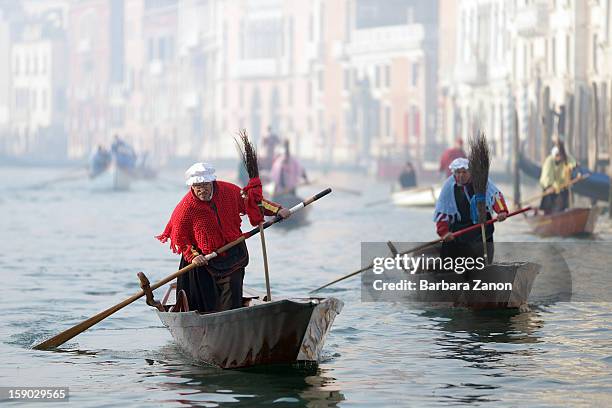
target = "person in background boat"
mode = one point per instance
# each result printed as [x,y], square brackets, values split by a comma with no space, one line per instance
[556,175]
[451,154]
[286,173]
[124,154]
[99,161]
[407,177]
[207,218]
[269,143]
[456,210]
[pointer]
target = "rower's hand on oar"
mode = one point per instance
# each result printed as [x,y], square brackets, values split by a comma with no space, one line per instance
[550,190]
[448,237]
[502,216]
[199,260]
[284,213]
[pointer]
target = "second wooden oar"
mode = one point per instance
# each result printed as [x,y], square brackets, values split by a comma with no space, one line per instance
[66,335]
[563,187]
[423,246]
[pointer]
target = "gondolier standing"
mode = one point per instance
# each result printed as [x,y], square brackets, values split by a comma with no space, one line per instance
[286,173]
[207,218]
[556,172]
[456,209]
[451,154]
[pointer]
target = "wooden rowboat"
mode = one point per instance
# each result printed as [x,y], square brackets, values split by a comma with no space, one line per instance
[417,196]
[279,332]
[507,286]
[574,221]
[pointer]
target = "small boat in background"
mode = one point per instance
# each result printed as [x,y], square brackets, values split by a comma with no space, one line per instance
[573,221]
[284,331]
[596,186]
[288,201]
[417,196]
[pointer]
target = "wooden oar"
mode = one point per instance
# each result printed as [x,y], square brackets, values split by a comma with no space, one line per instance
[75,174]
[563,187]
[423,246]
[66,335]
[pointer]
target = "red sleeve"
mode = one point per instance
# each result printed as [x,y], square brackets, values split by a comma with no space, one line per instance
[270,207]
[499,205]
[442,228]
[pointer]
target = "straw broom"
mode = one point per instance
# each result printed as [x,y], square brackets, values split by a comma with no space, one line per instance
[479,167]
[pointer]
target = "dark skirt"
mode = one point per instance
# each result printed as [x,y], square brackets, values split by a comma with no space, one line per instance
[217,286]
[553,203]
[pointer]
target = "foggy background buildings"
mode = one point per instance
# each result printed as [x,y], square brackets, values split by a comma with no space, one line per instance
[366,82]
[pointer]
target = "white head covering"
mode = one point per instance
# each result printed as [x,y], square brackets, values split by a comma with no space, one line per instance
[460,163]
[200,173]
[554,151]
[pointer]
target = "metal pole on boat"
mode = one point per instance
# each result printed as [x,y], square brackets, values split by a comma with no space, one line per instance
[516,172]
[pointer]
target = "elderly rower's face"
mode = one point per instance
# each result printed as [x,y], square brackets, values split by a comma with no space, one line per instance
[203,191]
[463,176]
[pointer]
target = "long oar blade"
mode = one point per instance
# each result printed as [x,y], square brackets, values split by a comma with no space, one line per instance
[66,335]
[421,247]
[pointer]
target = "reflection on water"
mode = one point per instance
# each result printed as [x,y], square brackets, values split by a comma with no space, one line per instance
[307,385]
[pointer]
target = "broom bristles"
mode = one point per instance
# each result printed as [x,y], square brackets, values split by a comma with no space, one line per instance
[248,154]
[479,158]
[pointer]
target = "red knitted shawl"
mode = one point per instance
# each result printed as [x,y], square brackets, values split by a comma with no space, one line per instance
[195,223]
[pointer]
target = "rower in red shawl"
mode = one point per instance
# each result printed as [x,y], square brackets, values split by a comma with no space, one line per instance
[456,210]
[207,218]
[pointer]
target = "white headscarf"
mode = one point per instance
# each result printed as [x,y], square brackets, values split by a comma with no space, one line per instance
[460,163]
[200,173]
[554,151]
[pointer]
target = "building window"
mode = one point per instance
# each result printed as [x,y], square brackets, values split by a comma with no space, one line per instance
[321,80]
[346,79]
[311,28]
[415,74]
[388,76]
[595,67]
[290,94]
[309,93]
[377,77]
[16,65]
[43,100]
[263,38]
[388,121]
[416,122]
[553,47]
[568,53]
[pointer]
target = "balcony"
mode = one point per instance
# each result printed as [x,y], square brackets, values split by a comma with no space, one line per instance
[532,20]
[256,68]
[389,39]
[473,73]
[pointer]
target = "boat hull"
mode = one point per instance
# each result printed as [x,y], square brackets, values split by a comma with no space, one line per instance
[520,276]
[416,197]
[574,221]
[279,332]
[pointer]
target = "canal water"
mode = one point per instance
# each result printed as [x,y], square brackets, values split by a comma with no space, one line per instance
[71,249]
